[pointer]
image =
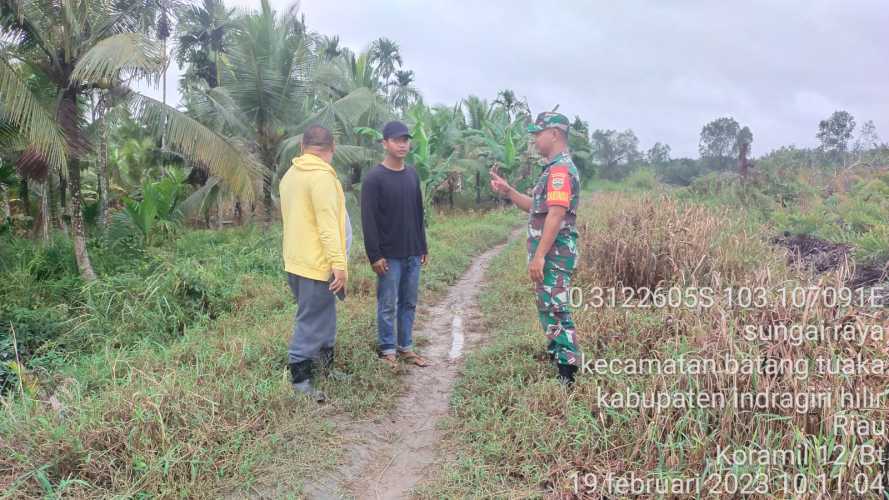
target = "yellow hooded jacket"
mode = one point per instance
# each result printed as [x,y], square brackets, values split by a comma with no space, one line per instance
[313,209]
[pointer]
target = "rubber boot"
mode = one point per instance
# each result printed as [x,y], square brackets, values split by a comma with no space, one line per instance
[301,378]
[566,374]
[325,359]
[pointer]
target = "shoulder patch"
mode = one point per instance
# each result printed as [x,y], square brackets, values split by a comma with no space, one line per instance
[558,190]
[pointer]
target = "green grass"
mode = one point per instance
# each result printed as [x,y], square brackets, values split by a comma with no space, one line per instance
[204,408]
[848,206]
[154,295]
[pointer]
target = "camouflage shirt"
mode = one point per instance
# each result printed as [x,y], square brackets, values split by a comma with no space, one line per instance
[559,184]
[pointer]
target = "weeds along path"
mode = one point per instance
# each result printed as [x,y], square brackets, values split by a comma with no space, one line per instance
[387,457]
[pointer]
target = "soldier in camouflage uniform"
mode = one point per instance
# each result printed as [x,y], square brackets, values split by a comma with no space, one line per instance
[552,237]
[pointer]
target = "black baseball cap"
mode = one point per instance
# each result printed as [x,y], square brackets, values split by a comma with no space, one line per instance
[395,129]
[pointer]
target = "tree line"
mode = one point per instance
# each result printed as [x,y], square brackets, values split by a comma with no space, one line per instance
[725,146]
[83,153]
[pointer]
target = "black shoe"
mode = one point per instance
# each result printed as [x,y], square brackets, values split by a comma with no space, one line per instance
[566,374]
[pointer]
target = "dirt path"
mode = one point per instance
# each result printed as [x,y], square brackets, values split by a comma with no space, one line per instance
[386,458]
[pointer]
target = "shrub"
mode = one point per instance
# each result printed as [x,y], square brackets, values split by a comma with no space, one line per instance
[642,179]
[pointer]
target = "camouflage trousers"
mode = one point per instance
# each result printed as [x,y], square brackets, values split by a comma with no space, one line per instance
[554,312]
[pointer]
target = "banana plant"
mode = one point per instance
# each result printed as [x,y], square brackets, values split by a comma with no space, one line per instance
[423,161]
[505,142]
[432,169]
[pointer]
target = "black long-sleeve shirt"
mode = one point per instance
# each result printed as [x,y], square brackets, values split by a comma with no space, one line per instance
[392,213]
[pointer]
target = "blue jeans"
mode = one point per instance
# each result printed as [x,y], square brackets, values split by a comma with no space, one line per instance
[397,299]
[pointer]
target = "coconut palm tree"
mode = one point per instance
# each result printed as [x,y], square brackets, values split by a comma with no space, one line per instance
[162,32]
[203,32]
[264,91]
[81,46]
[341,76]
[477,112]
[348,99]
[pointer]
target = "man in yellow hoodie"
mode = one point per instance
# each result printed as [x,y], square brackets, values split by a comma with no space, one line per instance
[317,236]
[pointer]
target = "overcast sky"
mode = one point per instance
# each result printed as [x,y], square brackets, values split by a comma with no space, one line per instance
[660,67]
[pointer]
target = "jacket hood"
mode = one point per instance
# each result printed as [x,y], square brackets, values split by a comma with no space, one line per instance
[309,161]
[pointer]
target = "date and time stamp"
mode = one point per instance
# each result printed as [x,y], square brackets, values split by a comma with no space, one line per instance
[731,484]
[818,471]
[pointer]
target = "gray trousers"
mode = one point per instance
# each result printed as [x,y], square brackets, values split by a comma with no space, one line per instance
[314,325]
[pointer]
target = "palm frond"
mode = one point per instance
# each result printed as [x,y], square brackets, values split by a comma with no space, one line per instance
[120,228]
[22,27]
[129,54]
[352,107]
[343,115]
[10,137]
[194,141]
[347,154]
[36,124]
[215,106]
[202,199]
[331,79]
[110,17]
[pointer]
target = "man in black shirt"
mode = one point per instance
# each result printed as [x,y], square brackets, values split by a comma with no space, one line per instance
[395,241]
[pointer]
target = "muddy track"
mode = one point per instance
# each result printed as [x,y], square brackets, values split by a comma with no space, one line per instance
[387,457]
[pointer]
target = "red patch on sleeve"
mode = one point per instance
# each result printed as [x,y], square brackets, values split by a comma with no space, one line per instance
[558,187]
